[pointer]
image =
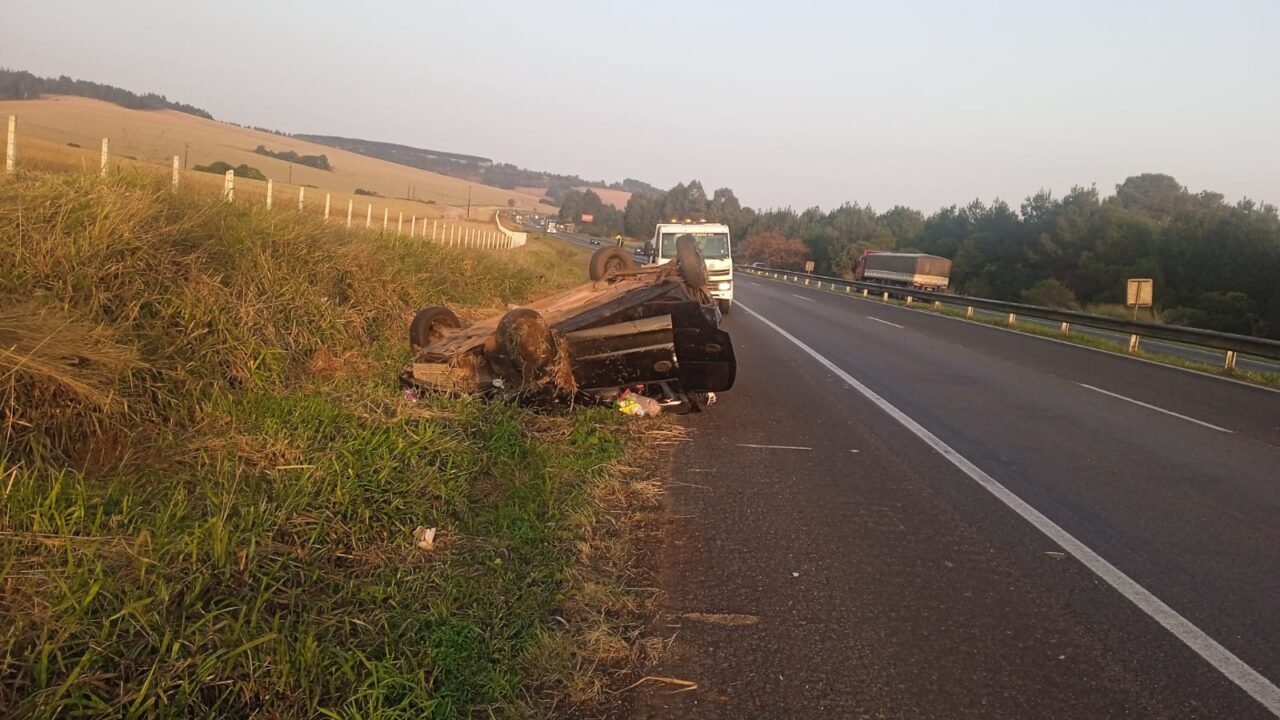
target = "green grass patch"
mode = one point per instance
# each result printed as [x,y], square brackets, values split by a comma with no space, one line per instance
[210,483]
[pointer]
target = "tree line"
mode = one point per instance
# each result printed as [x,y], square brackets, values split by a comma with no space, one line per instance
[22,85]
[1216,265]
[319,162]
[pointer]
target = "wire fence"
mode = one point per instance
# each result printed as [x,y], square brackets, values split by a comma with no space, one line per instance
[409,217]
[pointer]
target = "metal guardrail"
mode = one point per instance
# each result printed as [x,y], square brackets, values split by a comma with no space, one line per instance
[1229,343]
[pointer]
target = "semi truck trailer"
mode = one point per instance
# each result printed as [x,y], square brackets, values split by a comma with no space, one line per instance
[913,270]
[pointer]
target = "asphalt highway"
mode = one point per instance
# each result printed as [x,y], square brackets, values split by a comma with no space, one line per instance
[899,514]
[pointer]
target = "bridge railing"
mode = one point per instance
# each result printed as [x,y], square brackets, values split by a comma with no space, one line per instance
[1231,344]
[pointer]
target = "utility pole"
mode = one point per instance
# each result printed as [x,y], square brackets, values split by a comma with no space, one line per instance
[186,157]
[468,202]
[290,173]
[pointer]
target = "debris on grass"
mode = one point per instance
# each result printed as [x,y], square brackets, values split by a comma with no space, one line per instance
[425,538]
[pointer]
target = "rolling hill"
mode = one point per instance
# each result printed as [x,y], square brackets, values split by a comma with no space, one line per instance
[65,129]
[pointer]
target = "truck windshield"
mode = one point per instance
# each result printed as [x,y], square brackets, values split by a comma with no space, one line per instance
[714,246]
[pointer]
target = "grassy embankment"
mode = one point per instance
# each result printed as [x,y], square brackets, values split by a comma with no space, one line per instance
[210,483]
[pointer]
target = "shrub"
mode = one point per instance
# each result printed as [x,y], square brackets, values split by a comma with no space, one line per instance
[1052,294]
[775,250]
[220,167]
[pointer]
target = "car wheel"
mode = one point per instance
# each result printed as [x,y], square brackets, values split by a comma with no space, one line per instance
[609,261]
[430,324]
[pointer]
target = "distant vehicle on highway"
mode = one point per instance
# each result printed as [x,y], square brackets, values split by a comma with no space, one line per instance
[912,270]
[595,241]
[757,264]
[713,241]
[551,228]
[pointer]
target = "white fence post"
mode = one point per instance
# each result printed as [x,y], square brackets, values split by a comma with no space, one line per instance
[11,147]
[350,204]
[400,224]
[177,172]
[269,188]
[302,194]
[433,229]
[368,216]
[326,207]
[102,167]
[385,213]
[229,186]
[413,227]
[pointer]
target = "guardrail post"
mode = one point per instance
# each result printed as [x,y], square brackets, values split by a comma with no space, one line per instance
[866,293]
[909,299]
[1133,343]
[270,186]
[848,289]
[806,281]
[1230,363]
[1013,319]
[11,147]
[886,296]
[1066,328]
[968,312]
[937,304]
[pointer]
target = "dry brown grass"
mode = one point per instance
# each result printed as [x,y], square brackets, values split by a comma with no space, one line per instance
[616,198]
[47,125]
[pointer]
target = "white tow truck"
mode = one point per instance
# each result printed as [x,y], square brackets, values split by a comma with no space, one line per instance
[713,241]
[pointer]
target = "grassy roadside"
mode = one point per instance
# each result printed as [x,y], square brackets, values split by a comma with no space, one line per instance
[210,485]
[1258,378]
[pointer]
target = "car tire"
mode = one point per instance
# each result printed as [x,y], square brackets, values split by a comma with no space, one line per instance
[689,258]
[525,339]
[609,261]
[430,324]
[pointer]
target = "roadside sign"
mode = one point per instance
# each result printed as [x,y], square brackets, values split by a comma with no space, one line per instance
[587,217]
[1139,294]
[808,266]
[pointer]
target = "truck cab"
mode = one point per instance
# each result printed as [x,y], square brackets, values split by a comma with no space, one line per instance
[713,241]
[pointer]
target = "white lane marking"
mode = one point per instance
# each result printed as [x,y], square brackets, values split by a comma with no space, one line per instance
[1157,409]
[802,297]
[774,447]
[886,322]
[1213,652]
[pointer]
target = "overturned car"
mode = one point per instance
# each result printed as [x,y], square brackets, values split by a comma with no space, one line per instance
[653,328]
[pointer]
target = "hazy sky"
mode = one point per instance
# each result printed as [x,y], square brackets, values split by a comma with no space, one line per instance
[789,103]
